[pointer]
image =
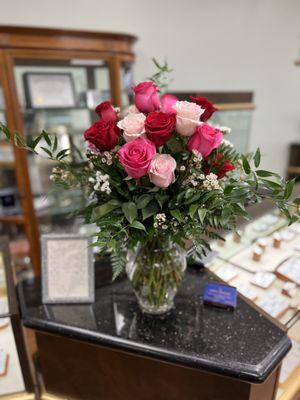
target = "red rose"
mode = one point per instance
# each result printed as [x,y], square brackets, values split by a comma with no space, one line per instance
[106,112]
[207,105]
[159,127]
[219,166]
[102,134]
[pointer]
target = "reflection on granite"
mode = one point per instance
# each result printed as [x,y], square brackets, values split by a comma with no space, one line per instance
[242,344]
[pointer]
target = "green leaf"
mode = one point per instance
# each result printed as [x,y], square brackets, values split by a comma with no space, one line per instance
[151,209]
[264,174]
[246,165]
[161,198]
[36,141]
[47,151]
[61,154]
[104,209]
[297,201]
[47,138]
[176,214]
[289,188]
[130,211]
[257,157]
[138,225]
[143,200]
[202,213]
[55,143]
[193,209]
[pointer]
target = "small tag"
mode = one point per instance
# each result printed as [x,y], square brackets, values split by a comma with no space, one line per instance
[220,295]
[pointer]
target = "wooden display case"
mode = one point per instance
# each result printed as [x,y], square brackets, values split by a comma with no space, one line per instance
[87,56]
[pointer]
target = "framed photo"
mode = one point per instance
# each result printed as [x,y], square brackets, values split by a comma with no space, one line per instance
[49,90]
[67,269]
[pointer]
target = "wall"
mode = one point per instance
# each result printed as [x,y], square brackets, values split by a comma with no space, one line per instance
[212,45]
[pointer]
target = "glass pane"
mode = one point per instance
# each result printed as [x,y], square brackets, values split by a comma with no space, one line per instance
[58,97]
[127,83]
[240,123]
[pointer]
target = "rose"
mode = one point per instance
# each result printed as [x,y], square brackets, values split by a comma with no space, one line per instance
[205,139]
[136,156]
[133,126]
[159,127]
[219,166]
[206,105]
[187,118]
[146,98]
[103,135]
[167,103]
[161,171]
[106,112]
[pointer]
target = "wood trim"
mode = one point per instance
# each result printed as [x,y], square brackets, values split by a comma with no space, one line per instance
[115,80]
[235,106]
[68,54]
[293,170]
[15,123]
[13,219]
[21,396]
[32,38]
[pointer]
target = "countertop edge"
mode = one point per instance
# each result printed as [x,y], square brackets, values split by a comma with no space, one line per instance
[253,374]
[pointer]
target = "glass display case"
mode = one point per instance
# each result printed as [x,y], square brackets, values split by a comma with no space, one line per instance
[52,80]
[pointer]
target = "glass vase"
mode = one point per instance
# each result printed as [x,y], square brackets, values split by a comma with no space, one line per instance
[155,270]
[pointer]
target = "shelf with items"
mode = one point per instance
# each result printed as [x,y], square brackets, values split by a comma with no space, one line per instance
[36,67]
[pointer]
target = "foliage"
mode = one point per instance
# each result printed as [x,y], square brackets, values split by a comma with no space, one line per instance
[197,206]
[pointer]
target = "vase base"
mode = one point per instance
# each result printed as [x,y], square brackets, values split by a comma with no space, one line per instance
[153,310]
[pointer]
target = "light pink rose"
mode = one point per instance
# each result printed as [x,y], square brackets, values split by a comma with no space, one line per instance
[133,110]
[162,169]
[133,126]
[146,97]
[187,117]
[136,156]
[205,139]
[167,103]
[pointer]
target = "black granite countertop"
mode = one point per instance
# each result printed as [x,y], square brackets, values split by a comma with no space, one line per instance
[243,344]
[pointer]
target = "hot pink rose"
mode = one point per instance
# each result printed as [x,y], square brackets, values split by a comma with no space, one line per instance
[187,118]
[167,103]
[106,112]
[136,157]
[162,169]
[146,97]
[133,126]
[205,139]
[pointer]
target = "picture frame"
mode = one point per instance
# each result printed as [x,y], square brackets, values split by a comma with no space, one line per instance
[53,90]
[67,269]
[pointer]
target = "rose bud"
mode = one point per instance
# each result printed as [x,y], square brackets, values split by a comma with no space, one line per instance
[146,97]
[162,169]
[219,166]
[206,105]
[103,135]
[205,139]
[187,117]
[133,126]
[136,156]
[106,112]
[168,102]
[159,127]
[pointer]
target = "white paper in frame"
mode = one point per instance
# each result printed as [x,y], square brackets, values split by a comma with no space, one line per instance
[67,269]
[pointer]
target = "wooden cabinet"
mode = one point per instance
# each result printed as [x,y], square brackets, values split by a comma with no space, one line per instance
[97,63]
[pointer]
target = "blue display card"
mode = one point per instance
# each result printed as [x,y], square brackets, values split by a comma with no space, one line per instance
[220,295]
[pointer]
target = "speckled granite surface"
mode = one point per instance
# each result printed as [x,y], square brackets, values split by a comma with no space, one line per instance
[242,344]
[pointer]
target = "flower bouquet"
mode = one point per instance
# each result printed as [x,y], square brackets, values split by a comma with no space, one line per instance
[157,179]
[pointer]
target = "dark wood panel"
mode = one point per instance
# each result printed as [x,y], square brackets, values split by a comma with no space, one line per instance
[82,371]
